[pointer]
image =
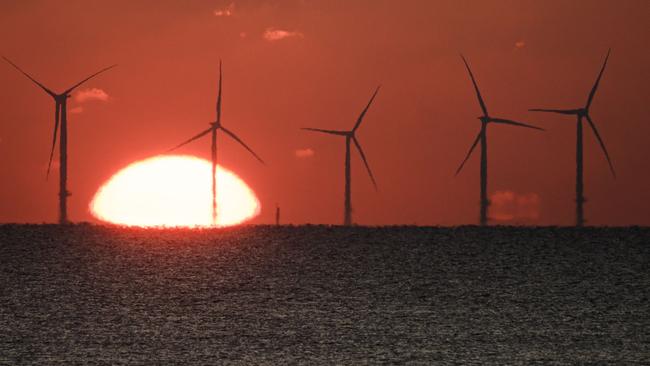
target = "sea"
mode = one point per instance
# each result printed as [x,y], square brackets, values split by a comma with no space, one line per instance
[324,295]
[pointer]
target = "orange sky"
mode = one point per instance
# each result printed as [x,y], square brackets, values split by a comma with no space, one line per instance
[291,64]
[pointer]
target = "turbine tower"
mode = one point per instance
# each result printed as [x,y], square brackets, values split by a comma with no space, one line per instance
[351,137]
[482,137]
[214,127]
[60,116]
[581,113]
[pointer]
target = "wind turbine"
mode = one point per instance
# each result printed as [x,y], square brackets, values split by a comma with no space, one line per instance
[482,137]
[214,127]
[351,137]
[60,116]
[581,113]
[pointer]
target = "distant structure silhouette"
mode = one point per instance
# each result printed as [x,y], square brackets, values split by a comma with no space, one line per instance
[214,127]
[277,215]
[581,113]
[351,137]
[482,137]
[60,117]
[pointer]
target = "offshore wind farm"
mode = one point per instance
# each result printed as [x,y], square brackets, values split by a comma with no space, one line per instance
[183,256]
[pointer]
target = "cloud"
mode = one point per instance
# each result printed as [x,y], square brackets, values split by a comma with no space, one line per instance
[520,44]
[273,34]
[511,206]
[225,12]
[76,110]
[91,94]
[304,153]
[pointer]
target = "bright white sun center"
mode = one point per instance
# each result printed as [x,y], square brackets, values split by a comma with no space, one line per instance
[173,191]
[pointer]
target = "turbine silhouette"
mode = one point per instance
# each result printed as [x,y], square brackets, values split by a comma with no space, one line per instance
[482,137]
[60,117]
[351,137]
[214,127]
[581,113]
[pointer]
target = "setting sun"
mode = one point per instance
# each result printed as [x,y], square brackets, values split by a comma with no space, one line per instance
[173,191]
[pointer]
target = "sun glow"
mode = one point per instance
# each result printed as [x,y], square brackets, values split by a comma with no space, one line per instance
[173,191]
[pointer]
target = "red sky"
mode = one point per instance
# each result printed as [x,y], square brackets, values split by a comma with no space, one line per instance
[291,64]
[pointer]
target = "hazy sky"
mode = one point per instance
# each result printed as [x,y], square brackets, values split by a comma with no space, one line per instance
[291,64]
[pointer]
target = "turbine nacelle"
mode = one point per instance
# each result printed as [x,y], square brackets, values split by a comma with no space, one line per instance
[215,126]
[351,137]
[62,96]
[584,113]
[481,138]
[60,99]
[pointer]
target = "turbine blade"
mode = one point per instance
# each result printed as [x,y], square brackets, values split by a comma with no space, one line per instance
[593,90]
[478,93]
[365,161]
[243,144]
[192,139]
[602,145]
[471,149]
[514,123]
[331,132]
[57,113]
[365,109]
[48,91]
[219,97]
[88,78]
[560,111]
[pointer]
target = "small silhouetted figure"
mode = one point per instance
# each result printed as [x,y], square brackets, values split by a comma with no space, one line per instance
[277,215]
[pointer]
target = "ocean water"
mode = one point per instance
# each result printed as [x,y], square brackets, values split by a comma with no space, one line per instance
[88,294]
